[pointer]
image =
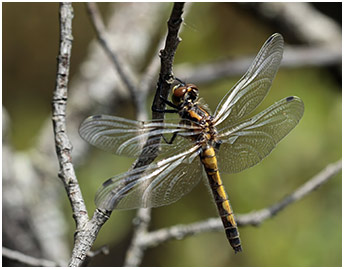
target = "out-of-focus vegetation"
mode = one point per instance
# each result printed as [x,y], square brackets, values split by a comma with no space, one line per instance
[307,233]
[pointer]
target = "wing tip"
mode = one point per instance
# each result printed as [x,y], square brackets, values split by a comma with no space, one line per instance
[274,36]
[293,99]
[96,117]
[290,98]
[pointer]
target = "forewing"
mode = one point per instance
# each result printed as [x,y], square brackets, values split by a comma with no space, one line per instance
[128,137]
[161,183]
[251,89]
[248,142]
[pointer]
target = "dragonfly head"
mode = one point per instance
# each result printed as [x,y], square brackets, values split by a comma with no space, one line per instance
[184,93]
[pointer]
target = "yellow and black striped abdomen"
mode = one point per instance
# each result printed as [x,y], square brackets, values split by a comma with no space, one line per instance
[221,199]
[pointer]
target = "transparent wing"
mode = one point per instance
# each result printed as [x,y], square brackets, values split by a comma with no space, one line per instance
[128,137]
[160,183]
[248,142]
[251,89]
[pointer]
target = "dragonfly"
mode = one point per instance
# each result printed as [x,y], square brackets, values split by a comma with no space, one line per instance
[196,145]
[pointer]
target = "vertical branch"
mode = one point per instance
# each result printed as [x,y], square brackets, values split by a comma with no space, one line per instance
[153,66]
[166,76]
[59,102]
[135,252]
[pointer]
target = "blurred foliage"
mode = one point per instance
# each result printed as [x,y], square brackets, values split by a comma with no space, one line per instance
[307,233]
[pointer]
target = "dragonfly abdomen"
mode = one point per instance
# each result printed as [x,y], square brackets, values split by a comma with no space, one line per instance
[209,161]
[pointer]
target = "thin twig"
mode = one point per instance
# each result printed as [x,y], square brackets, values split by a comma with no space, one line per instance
[27,260]
[101,33]
[255,218]
[59,103]
[104,250]
[135,252]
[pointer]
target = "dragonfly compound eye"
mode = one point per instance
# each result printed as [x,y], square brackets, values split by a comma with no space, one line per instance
[178,93]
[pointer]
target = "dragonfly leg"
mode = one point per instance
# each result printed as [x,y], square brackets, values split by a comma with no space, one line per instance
[167,102]
[218,144]
[179,80]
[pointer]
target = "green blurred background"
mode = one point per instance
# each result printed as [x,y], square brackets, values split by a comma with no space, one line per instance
[307,233]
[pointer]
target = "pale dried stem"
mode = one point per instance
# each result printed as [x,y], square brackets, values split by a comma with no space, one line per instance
[152,239]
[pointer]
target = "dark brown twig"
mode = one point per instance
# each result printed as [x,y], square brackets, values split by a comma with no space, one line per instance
[166,77]
[135,252]
[153,67]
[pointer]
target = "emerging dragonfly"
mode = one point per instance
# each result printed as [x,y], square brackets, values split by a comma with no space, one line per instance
[223,142]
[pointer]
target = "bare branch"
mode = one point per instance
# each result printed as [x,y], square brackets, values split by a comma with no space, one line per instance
[62,142]
[86,231]
[121,68]
[27,260]
[135,253]
[254,218]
